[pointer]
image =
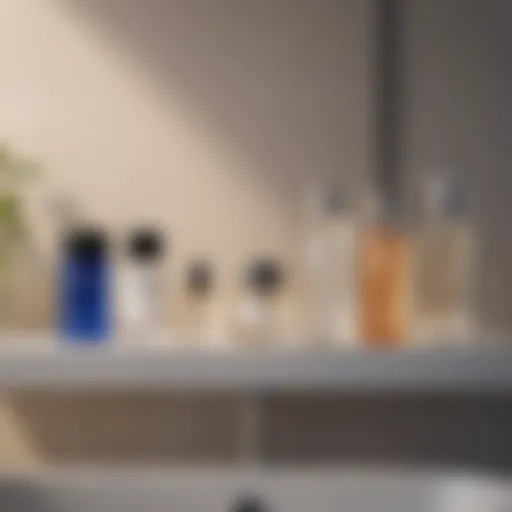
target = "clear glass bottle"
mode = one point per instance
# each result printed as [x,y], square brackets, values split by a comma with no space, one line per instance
[140,287]
[331,261]
[444,265]
[199,292]
[386,278]
[258,320]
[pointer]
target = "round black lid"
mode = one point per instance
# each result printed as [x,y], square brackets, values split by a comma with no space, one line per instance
[199,277]
[146,244]
[250,503]
[85,241]
[265,275]
[454,201]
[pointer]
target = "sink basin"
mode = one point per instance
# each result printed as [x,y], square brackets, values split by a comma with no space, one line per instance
[257,490]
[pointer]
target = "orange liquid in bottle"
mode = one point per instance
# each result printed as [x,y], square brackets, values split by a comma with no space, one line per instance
[386,278]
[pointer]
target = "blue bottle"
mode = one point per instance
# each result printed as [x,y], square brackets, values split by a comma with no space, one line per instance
[85,287]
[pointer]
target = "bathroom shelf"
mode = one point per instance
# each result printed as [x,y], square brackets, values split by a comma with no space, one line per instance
[287,369]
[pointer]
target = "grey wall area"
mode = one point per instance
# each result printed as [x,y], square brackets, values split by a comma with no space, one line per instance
[458,83]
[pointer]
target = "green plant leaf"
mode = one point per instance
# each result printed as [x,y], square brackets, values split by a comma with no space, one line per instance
[15,171]
[15,167]
[12,222]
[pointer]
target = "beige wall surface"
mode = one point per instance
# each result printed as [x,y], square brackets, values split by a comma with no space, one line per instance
[208,118]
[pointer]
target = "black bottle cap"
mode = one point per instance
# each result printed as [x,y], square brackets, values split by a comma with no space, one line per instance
[250,503]
[199,277]
[146,244]
[333,200]
[454,201]
[265,275]
[85,242]
[392,213]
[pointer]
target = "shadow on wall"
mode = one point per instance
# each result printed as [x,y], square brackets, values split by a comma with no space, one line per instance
[459,119]
[284,83]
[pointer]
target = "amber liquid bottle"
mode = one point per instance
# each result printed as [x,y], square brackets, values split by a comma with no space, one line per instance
[386,281]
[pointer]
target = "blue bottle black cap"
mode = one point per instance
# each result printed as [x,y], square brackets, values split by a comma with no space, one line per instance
[146,244]
[85,241]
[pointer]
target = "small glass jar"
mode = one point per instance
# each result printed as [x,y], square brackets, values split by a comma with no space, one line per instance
[198,315]
[258,318]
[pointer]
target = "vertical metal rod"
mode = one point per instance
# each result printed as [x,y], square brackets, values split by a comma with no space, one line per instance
[389,96]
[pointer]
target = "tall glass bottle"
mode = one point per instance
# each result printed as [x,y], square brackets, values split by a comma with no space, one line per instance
[386,278]
[445,264]
[331,258]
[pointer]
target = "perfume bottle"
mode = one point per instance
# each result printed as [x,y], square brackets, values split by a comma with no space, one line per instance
[386,278]
[332,256]
[199,294]
[258,314]
[85,286]
[140,286]
[445,264]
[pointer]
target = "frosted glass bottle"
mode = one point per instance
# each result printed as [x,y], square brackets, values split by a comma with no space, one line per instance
[444,266]
[331,261]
